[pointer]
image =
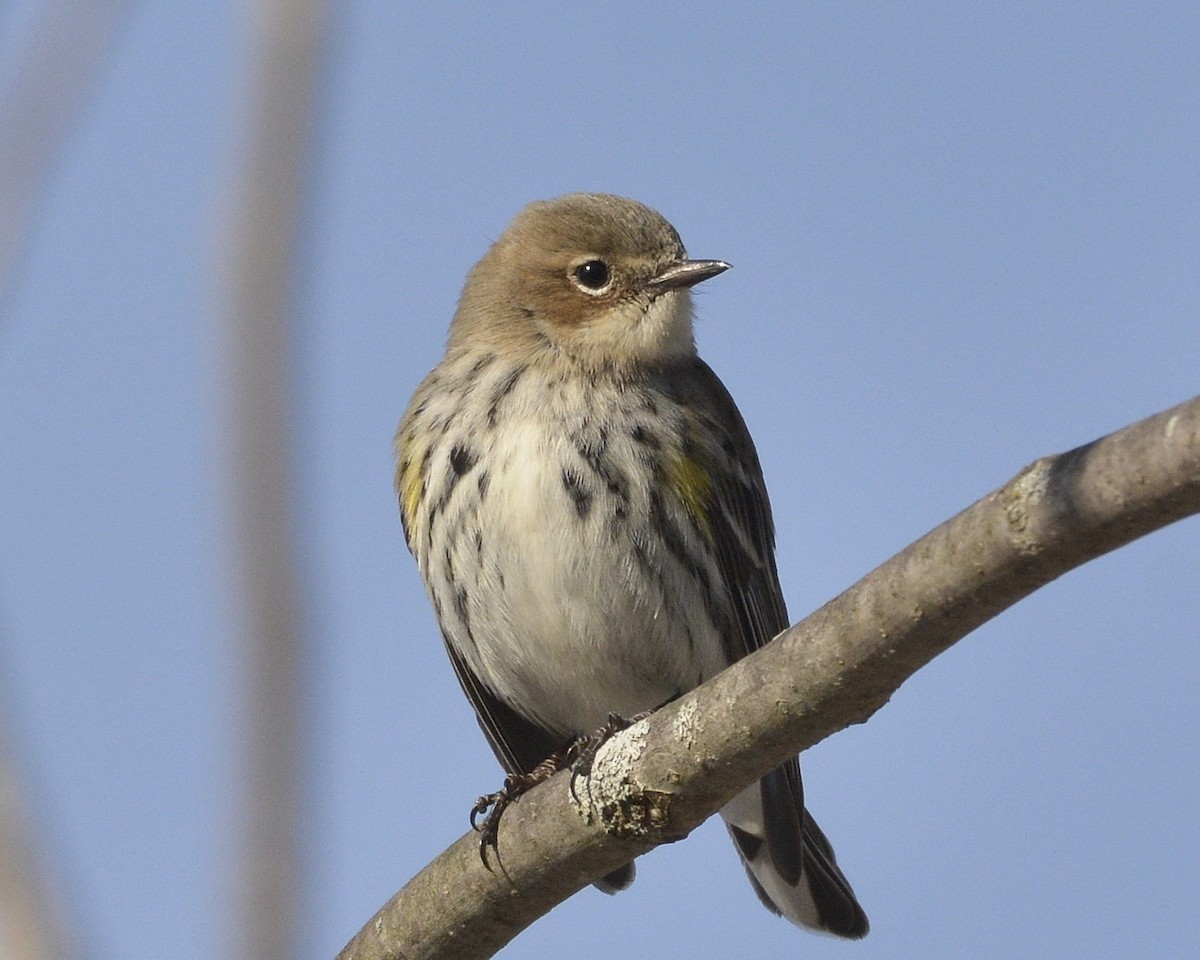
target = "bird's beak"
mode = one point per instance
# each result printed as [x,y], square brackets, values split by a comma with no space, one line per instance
[685,273]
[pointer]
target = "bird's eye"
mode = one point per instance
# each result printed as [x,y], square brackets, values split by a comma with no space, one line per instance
[592,275]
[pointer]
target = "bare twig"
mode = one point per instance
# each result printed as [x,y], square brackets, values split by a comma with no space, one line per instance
[665,775]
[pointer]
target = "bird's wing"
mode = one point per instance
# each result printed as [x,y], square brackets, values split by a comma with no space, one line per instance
[519,744]
[737,512]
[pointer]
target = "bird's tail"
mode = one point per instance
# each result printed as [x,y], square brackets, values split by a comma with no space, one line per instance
[790,862]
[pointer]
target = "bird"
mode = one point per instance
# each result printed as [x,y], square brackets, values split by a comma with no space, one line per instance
[588,513]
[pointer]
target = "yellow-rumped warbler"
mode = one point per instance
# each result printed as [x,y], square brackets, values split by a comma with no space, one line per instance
[588,513]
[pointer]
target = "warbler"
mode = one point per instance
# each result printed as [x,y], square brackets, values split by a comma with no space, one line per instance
[587,510]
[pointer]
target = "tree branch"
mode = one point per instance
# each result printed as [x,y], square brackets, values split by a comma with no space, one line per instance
[665,775]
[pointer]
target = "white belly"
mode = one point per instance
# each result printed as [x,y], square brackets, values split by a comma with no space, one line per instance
[570,616]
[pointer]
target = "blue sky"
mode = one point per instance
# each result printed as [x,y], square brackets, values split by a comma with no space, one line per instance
[963,235]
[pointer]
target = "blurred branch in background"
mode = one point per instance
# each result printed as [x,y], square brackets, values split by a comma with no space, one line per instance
[277,97]
[32,923]
[55,69]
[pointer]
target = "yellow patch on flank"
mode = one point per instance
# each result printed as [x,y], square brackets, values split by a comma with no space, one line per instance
[411,488]
[693,486]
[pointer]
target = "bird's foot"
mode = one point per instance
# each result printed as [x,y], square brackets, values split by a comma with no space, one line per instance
[579,756]
[491,806]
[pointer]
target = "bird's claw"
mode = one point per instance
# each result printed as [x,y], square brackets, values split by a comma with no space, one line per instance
[491,806]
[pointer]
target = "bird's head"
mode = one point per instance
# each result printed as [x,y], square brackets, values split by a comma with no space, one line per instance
[599,278]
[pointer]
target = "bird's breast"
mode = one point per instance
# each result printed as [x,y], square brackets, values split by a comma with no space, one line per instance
[572,582]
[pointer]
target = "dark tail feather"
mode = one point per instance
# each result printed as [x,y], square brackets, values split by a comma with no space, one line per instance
[788,858]
[840,911]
